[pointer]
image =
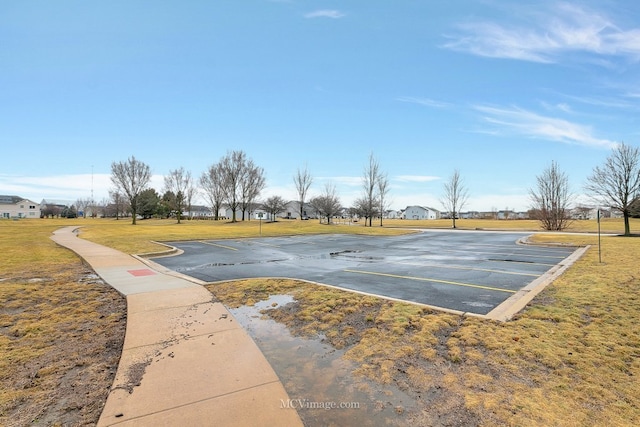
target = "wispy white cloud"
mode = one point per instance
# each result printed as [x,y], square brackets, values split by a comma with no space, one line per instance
[602,102]
[494,41]
[416,178]
[562,107]
[325,13]
[560,29]
[427,102]
[522,122]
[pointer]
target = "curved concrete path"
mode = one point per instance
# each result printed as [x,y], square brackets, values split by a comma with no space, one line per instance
[185,360]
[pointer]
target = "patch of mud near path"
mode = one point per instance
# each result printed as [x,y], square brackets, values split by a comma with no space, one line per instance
[318,379]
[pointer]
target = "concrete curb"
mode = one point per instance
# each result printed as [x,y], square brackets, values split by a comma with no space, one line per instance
[514,304]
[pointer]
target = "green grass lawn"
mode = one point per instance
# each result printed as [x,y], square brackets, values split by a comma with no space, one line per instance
[572,357]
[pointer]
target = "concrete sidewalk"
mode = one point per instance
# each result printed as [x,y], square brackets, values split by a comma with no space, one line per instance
[185,360]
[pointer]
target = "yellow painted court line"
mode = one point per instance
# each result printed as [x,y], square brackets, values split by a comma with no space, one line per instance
[456,267]
[264,244]
[521,262]
[424,279]
[506,254]
[219,246]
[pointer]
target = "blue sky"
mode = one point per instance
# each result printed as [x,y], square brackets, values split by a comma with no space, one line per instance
[495,89]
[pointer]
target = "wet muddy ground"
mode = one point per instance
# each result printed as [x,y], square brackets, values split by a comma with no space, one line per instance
[318,379]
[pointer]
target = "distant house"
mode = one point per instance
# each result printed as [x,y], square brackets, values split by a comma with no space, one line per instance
[509,214]
[198,212]
[420,212]
[392,214]
[292,210]
[18,207]
[227,212]
[506,214]
[615,213]
[584,212]
[54,208]
[248,215]
[470,215]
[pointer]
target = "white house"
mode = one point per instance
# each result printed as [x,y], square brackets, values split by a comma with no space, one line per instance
[199,212]
[420,212]
[227,213]
[292,211]
[392,214]
[17,207]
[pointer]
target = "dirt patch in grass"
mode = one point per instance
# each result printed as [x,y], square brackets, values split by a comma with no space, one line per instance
[61,339]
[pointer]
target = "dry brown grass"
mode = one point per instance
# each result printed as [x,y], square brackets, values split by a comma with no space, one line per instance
[54,368]
[615,225]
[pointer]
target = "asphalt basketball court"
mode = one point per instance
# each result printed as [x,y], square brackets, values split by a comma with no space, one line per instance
[472,272]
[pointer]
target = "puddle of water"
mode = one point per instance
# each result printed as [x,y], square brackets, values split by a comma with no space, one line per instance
[477,304]
[318,379]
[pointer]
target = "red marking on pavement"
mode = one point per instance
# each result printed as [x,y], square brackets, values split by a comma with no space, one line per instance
[143,272]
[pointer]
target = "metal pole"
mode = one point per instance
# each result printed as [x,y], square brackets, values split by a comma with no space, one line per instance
[599,245]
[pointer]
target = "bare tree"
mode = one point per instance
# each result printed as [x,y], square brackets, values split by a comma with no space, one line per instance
[370,179]
[119,203]
[360,209]
[455,195]
[102,207]
[507,212]
[231,169]
[115,198]
[302,180]
[178,182]
[131,177]
[617,183]
[251,184]
[383,190]
[211,183]
[50,210]
[83,205]
[328,203]
[274,205]
[551,199]
[242,181]
[190,192]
